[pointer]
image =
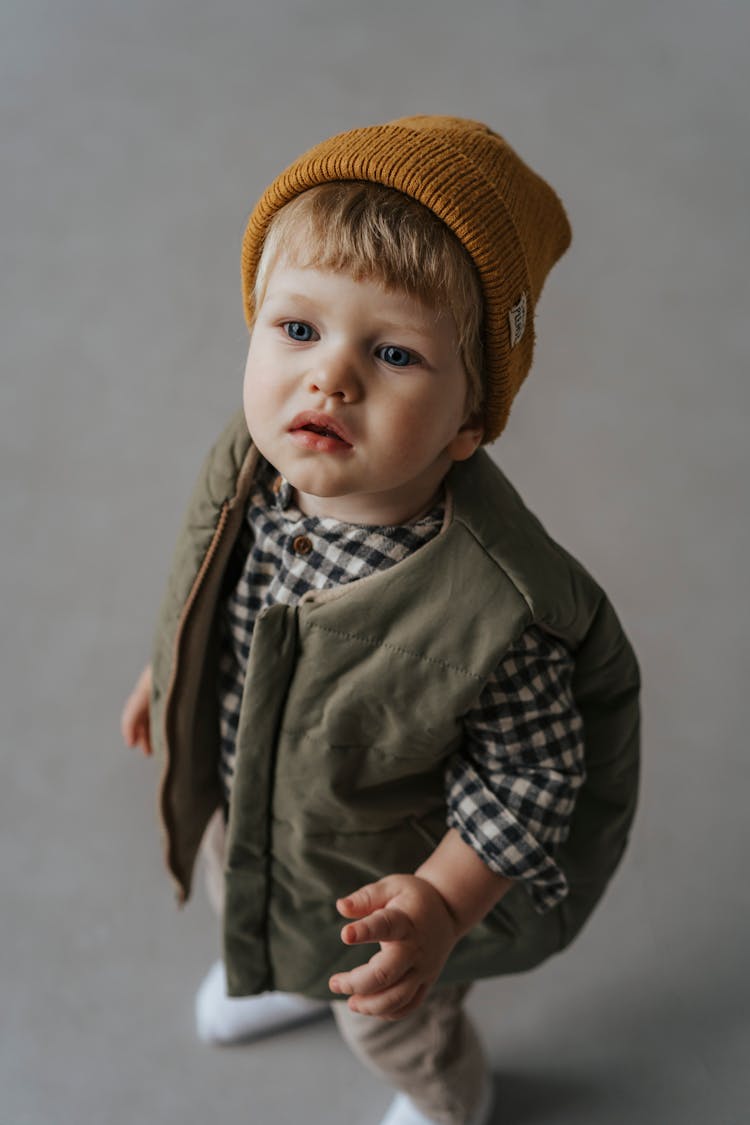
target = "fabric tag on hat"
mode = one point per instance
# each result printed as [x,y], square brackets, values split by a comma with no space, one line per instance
[517,320]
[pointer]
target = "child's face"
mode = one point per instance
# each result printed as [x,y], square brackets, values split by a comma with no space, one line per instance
[356,394]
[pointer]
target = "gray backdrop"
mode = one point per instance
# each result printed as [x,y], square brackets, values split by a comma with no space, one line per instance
[136,137]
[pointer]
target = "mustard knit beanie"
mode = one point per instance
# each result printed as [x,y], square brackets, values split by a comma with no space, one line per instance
[509,220]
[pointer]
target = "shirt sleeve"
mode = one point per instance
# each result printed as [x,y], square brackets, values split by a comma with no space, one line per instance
[512,787]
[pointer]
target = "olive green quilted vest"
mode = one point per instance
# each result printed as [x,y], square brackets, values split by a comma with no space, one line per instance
[353,701]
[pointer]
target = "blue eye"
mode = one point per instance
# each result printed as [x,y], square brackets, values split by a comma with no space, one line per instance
[397,357]
[298,330]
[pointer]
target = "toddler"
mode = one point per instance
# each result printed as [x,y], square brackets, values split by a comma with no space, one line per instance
[391,708]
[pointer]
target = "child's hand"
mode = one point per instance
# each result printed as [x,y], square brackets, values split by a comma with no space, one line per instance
[417,919]
[416,931]
[134,721]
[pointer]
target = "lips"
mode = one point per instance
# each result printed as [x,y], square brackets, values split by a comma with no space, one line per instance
[323,425]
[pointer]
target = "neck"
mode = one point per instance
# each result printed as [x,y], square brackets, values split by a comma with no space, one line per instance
[356,509]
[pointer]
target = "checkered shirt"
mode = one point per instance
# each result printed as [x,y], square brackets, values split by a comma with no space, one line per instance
[511,788]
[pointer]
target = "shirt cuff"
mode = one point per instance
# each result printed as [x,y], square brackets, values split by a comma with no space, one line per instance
[508,849]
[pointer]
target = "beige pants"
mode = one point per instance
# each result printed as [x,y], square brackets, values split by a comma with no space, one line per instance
[433,1055]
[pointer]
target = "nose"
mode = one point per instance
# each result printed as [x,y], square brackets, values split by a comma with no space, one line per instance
[336,375]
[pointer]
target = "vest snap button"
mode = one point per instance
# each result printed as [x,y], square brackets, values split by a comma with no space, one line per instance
[302,545]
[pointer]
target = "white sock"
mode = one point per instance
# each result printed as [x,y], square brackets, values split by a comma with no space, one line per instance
[402,1110]
[220,1018]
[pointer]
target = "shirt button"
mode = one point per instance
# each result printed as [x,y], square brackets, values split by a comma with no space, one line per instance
[302,545]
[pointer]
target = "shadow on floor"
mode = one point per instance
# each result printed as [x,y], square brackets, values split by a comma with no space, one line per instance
[538,1099]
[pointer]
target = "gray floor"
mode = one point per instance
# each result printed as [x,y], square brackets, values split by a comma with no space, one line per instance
[136,137]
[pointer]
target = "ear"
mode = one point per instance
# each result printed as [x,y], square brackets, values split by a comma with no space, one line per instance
[467,440]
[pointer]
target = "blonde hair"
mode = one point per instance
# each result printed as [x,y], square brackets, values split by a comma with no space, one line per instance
[375,232]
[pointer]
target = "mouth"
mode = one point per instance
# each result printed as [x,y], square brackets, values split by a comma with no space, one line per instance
[322,426]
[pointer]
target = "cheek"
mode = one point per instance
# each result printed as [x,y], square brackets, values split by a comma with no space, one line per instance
[258,387]
[248,392]
[257,407]
[420,423]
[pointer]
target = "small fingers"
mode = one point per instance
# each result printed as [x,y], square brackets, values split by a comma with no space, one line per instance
[134,720]
[392,1003]
[135,729]
[131,729]
[364,900]
[143,739]
[388,924]
[127,723]
[382,971]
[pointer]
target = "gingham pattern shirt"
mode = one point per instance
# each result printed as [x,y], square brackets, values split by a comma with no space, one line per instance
[511,788]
